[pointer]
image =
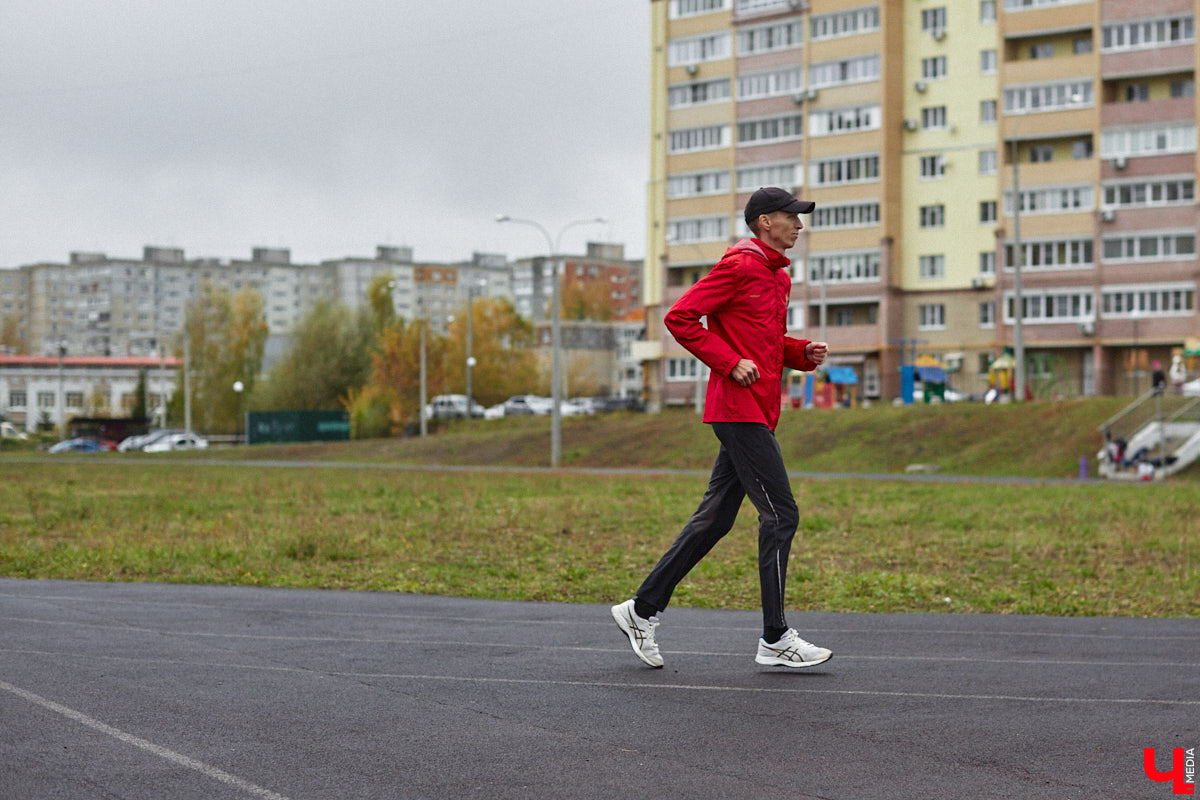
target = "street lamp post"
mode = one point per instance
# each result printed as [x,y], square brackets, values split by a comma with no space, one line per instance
[555,329]
[1018,299]
[238,386]
[470,337]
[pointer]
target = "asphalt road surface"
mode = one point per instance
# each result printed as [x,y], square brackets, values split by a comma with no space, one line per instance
[164,691]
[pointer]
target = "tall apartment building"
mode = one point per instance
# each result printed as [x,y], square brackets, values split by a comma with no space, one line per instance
[902,121]
[602,268]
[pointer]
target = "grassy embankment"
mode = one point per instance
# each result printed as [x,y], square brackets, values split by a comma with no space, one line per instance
[863,545]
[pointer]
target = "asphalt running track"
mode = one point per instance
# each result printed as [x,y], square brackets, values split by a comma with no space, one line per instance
[173,691]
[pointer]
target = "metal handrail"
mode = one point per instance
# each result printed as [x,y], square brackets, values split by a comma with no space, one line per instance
[1104,426]
[1184,410]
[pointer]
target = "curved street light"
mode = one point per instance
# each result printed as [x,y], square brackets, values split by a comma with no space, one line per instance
[555,328]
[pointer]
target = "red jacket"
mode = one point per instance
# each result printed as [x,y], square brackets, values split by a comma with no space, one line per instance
[745,298]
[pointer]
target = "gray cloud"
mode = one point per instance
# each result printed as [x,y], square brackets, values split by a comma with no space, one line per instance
[324,127]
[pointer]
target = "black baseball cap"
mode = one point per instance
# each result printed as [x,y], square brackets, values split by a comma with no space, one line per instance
[770,199]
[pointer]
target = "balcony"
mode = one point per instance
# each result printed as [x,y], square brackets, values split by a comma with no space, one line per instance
[1173,109]
[1152,61]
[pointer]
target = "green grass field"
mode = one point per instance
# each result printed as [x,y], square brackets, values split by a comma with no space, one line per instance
[1066,549]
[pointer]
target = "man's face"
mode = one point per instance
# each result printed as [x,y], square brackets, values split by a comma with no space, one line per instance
[779,229]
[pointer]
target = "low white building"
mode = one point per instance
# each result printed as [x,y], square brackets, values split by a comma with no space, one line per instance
[34,389]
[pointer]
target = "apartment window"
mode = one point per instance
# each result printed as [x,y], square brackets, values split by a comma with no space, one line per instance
[930,267]
[795,317]
[683,369]
[987,315]
[850,266]
[1148,140]
[933,20]
[1041,50]
[45,399]
[1075,93]
[1137,92]
[697,184]
[770,84]
[699,93]
[988,162]
[697,229]
[74,400]
[845,23]
[1050,307]
[842,317]
[846,215]
[1157,192]
[842,72]
[1081,149]
[1017,5]
[1041,153]
[987,12]
[1184,88]
[1149,246]
[844,120]
[786,173]
[690,140]
[933,69]
[931,316]
[987,211]
[16,399]
[1082,45]
[842,170]
[933,216]
[770,38]
[933,117]
[933,167]
[696,49]
[987,263]
[1052,254]
[987,111]
[771,130]
[1148,34]
[988,62]
[1053,199]
[1140,301]
[678,9]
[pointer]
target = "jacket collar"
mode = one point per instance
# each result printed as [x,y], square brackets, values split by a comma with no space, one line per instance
[771,257]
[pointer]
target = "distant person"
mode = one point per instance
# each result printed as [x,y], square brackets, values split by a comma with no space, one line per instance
[745,301]
[1178,373]
[1158,379]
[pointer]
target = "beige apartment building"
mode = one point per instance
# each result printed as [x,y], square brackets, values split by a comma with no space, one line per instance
[901,120]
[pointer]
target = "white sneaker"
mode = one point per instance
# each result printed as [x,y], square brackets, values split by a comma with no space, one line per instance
[791,651]
[640,632]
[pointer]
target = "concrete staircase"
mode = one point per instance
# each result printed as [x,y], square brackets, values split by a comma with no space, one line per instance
[1162,436]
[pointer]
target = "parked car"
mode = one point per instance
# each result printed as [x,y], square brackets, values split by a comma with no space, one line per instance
[494,412]
[525,405]
[577,406]
[452,406]
[133,443]
[77,446]
[10,431]
[176,441]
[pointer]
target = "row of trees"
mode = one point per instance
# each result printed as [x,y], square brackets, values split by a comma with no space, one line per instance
[365,361]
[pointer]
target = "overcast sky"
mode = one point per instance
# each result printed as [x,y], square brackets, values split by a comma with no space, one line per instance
[323,126]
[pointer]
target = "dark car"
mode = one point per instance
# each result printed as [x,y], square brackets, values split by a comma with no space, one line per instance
[78,446]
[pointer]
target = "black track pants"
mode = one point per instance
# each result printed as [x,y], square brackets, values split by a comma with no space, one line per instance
[750,463]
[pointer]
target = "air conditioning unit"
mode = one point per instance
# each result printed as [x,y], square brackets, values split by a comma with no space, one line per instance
[910,124]
[1120,162]
[798,98]
[811,94]
[920,86]
[692,69]
[978,283]
[1107,215]
[796,5]
[939,34]
[1087,328]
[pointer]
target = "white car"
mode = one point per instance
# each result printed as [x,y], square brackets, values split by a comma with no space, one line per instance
[176,441]
[1192,388]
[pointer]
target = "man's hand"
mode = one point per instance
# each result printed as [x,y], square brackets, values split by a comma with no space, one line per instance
[816,352]
[745,372]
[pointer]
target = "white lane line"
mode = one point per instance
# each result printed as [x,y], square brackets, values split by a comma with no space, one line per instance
[207,770]
[364,676]
[1049,662]
[493,621]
